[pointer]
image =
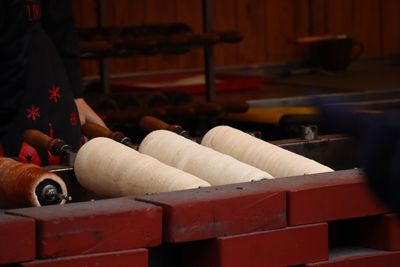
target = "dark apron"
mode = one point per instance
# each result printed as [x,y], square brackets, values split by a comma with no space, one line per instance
[47,105]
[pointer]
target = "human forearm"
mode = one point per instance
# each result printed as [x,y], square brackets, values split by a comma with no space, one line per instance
[86,113]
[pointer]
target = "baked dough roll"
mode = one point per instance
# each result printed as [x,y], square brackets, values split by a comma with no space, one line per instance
[277,161]
[28,185]
[109,168]
[210,165]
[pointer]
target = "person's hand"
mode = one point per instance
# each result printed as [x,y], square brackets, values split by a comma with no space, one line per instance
[86,113]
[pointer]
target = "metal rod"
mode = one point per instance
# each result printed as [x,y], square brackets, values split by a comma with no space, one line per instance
[104,75]
[209,67]
[103,62]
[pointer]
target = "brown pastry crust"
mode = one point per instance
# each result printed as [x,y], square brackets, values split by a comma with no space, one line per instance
[18,182]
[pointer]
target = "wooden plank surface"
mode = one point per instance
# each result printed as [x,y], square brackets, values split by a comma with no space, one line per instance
[290,17]
[367,24]
[85,16]
[225,19]
[390,27]
[201,213]
[339,16]
[158,11]
[85,13]
[317,17]
[128,13]
[267,25]
[94,227]
[251,21]
[190,12]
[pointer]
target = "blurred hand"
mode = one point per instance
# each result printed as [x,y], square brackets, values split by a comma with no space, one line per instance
[378,138]
[86,113]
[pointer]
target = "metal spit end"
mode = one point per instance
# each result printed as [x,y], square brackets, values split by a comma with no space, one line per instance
[185,134]
[309,132]
[64,197]
[51,193]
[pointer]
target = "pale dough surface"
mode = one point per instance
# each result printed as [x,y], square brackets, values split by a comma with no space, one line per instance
[208,164]
[109,168]
[277,161]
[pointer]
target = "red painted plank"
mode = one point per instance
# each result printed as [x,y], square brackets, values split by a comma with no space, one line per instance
[17,239]
[217,211]
[91,227]
[372,258]
[330,197]
[137,258]
[283,247]
[326,197]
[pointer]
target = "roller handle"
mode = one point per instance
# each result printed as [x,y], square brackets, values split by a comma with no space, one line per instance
[142,42]
[235,106]
[205,38]
[231,37]
[42,141]
[175,40]
[96,46]
[150,123]
[208,109]
[317,38]
[92,130]
[181,110]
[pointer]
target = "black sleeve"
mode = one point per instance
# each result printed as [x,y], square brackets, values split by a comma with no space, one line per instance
[381,158]
[378,137]
[58,22]
[13,57]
